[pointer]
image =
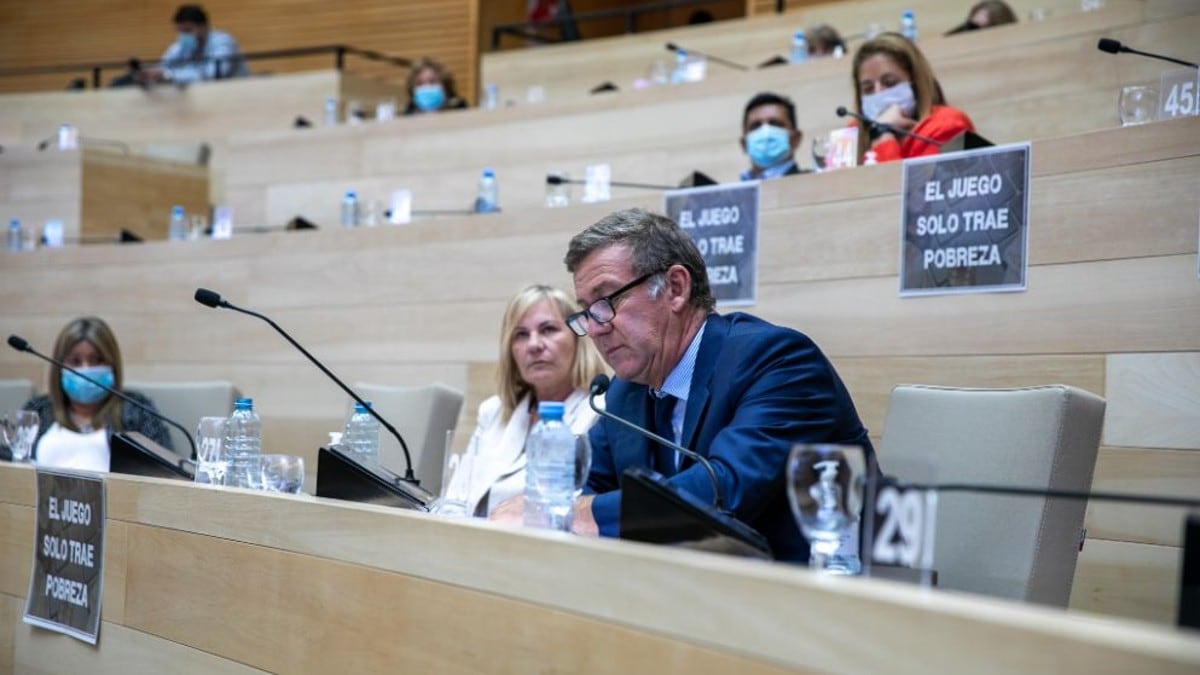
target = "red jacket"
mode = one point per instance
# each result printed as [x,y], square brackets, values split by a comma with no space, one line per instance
[942,124]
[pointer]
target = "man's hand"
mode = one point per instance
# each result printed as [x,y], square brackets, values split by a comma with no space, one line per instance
[511,511]
[582,522]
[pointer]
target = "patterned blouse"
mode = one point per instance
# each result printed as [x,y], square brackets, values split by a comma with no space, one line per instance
[132,417]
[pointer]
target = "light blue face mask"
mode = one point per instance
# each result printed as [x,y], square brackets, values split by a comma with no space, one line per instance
[901,94]
[769,145]
[188,43]
[429,97]
[83,392]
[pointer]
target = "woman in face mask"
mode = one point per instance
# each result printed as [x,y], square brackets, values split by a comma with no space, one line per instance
[894,85]
[77,417]
[431,89]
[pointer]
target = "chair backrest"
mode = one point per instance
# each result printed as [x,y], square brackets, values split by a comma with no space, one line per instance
[14,393]
[1043,437]
[186,403]
[422,415]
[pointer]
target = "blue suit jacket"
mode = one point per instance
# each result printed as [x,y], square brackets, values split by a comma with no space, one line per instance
[757,389]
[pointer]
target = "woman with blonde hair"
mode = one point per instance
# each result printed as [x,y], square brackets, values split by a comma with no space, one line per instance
[431,88]
[894,84]
[77,417]
[540,360]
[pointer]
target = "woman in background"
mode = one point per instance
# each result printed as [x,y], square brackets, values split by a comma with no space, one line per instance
[77,417]
[431,89]
[895,85]
[986,14]
[540,360]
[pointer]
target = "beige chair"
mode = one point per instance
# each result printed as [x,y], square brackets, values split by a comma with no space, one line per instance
[1047,437]
[14,393]
[422,415]
[186,403]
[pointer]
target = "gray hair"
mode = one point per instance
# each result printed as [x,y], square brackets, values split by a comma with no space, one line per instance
[656,243]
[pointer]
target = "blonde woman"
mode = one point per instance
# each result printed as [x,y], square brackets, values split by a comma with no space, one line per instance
[540,360]
[77,417]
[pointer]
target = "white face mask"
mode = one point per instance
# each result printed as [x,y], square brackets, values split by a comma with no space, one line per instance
[901,94]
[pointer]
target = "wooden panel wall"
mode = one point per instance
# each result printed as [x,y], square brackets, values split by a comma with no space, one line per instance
[323,586]
[66,31]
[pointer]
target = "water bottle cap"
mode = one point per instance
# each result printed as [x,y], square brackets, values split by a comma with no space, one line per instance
[351,193]
[177,210]
[488,173]
[359,408]
[799,34]
[15,222]
[550,410]
[244,404]
[908,14]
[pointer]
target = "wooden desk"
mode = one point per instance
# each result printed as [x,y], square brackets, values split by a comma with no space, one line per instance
[97,193]
[214,580]
[1113,307]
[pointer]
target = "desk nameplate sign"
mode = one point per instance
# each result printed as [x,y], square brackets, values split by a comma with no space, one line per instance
[964,223]
[723,221]
[67,582]
[1179,93]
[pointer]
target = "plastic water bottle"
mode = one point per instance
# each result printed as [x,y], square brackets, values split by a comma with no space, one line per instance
[491,96]
[13,241]
[799,52]
[362,435]
[681,67]
[550,471]
[177,230]
[243,446]
[350,209]
[331,111]
[908,25]
[487,199]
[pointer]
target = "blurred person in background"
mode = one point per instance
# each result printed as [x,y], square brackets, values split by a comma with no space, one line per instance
[198,53]
[770,137]
[986,14]
[77,417]
[894,84]
[823,40]
[431,89]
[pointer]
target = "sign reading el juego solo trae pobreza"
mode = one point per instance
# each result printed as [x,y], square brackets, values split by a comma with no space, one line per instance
[723,221]
[965,222]
[66,584]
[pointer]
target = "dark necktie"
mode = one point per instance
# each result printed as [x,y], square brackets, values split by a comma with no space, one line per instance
[664,457]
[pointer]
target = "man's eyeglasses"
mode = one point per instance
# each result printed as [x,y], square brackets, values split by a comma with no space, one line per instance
[604,309]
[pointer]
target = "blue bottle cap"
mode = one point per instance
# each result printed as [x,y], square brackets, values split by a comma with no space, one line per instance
[359,408]
[550,410]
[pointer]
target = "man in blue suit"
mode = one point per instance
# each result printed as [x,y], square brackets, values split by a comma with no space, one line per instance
[734,388]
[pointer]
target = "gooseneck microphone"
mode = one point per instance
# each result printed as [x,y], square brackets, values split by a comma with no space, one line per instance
[600,384]
[1115,47]
[881,127]
[20,344]
[553,179]
[213,299]
[1018,491]
[672,47]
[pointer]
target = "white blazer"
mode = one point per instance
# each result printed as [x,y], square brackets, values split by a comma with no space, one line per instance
[499,462]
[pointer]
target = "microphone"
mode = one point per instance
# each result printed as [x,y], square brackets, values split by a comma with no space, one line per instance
[213,299]
[600,384]
[672,47]
[83,140]
[20,344]
[553,179]
[882,127]
[1115,47]
[1019,491]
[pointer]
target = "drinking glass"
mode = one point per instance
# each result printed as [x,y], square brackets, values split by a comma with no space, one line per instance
[825,488]
[1137,105]
[457,475]
[820,151]
[20,429]
[210,451]
[282,473]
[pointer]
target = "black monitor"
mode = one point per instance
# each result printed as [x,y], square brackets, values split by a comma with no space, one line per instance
[341,476]
[134,453]
[1189,578]
[656,512]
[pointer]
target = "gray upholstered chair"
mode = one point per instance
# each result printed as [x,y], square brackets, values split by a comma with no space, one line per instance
[186,403]
[422,415]
[1023,548]
[14,393]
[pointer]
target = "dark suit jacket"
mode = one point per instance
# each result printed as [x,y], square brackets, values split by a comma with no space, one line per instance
[757,388]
